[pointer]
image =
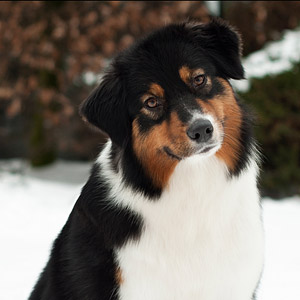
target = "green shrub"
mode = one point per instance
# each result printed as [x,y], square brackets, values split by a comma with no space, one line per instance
[276,100]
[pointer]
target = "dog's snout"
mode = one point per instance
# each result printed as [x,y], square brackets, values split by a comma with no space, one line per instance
[200,131]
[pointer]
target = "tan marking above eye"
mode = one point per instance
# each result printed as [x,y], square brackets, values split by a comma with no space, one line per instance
[198,72]
[156,90]
[187,75]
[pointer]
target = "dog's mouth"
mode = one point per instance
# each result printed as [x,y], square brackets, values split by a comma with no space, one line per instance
[171,154]
[205,149]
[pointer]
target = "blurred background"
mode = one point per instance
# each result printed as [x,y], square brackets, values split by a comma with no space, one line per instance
[52,54]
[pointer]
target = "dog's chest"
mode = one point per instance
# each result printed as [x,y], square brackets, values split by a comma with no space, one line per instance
[195,245]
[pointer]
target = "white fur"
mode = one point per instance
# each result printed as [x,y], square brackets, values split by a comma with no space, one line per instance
[202,240]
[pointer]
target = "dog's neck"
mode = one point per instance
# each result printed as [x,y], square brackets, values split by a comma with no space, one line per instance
[199,177]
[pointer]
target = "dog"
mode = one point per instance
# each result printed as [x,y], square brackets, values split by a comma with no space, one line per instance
[171,209]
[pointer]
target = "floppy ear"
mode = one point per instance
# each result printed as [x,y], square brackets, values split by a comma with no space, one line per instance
[106,108]
[222,43]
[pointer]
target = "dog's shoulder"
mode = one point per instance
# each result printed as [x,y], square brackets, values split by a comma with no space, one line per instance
[82,260]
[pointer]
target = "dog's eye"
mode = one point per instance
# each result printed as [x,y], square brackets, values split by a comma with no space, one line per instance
[199,80]
[152,102]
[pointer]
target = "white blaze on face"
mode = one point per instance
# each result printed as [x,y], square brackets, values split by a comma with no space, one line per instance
[217,135]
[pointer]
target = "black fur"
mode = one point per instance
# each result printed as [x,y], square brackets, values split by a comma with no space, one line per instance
[105,107]
[246,139]
[112,106]
[82,263]
[223,45]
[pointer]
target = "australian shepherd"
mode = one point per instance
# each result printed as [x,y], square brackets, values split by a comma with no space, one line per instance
[171,210]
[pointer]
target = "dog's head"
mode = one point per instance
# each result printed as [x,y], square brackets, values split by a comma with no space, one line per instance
[168,97]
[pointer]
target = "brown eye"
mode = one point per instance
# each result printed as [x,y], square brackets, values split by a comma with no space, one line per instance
[152,102]
[199,80]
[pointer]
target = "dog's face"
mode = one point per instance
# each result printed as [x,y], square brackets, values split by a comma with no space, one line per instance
[168,98]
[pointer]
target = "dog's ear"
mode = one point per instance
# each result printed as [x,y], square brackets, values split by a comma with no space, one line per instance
[106,108]
[222,44]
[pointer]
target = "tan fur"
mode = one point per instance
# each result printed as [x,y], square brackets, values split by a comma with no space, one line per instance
[185,74]
[149,148]
[149,113]
[119,277]
[156,90]
[225,110]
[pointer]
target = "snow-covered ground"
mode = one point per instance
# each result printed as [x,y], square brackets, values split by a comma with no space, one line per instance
[34,205]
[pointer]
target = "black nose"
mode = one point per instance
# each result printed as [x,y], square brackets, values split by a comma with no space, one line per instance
[200,131]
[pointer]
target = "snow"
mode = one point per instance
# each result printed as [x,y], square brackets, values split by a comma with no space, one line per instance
[281,279]
[275,58]
[91,78]
[35,205]
[214,7]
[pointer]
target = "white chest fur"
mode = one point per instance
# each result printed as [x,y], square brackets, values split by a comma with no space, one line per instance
[202,239]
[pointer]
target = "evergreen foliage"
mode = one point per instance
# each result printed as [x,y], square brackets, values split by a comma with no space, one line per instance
[276,100]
